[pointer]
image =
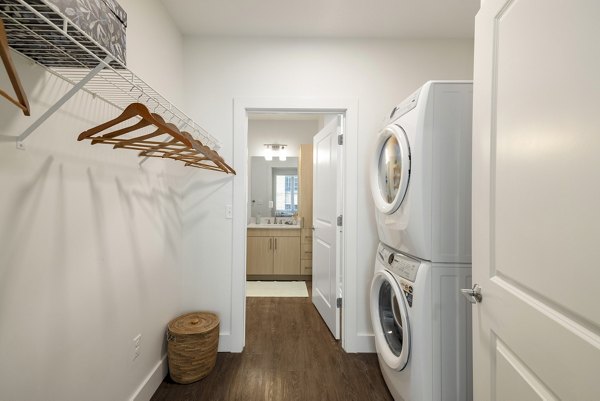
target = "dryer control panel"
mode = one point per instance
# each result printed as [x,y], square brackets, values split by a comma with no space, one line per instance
[398,263]
[407,105]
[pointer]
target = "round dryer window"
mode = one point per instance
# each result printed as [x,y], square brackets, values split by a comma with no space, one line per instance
[390,320]
[390,169]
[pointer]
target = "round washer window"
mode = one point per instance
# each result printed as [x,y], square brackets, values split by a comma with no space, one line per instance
[389,317]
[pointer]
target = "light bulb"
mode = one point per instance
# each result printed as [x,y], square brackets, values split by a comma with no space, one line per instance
[268,154]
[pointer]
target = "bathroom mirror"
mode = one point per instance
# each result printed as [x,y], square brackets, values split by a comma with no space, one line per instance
[273,187]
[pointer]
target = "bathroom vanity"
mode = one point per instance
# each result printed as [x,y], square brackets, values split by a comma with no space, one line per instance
[273,252]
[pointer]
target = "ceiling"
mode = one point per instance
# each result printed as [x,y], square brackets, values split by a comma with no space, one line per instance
[410,19]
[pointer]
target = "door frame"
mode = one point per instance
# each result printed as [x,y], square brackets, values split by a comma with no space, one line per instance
[242,106]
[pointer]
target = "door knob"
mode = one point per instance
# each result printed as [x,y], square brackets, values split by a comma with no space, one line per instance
[473,295]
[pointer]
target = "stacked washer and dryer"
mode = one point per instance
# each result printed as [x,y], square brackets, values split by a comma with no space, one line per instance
[421,186]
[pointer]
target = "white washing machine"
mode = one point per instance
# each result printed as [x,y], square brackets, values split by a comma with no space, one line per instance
[421,174]
[422,327]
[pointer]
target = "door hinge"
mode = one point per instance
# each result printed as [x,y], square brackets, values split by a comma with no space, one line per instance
[340,139]
[340,220]
[339,302]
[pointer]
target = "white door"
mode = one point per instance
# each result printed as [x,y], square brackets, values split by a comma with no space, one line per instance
[536,200]
[325,211]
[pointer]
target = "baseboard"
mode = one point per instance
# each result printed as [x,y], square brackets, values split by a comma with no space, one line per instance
[361,342]
[229,344]
[278,277]
[153,380]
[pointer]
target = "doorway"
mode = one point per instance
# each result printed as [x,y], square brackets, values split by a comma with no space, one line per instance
[289,154]
[244,109]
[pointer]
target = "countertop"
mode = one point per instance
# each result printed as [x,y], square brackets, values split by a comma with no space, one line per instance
[276,226]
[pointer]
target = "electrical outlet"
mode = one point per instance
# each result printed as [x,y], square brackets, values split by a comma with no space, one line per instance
[228,212]
[137,347]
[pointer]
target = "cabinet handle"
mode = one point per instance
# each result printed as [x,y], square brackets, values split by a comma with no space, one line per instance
[270,243]
[275,243]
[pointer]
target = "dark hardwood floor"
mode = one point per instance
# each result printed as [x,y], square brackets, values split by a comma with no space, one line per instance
[289,355]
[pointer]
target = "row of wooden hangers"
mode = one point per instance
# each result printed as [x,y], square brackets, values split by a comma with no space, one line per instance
[21,100]
[178,146]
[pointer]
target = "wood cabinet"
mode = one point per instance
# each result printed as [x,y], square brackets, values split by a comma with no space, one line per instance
[305,185]
[286,255]
[273,252]
[259,258]
[305,206]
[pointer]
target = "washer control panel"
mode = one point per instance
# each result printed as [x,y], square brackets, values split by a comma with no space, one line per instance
[398,263]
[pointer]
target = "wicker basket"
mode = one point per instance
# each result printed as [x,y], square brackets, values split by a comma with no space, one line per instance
[193,340]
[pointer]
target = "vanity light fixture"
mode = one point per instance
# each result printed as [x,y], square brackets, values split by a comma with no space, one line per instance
[275,149]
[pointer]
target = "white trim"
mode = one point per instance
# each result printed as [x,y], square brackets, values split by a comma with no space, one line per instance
[365,343]
[225,344]
[148,387]
[241,106]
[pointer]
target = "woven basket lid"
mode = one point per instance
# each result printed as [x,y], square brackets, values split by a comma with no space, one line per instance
[193,323]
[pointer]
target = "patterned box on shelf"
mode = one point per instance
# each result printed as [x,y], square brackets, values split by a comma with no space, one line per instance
[104,20]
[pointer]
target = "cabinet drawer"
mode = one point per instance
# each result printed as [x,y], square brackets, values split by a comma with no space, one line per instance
[307,235]
[306,251]
[306,267]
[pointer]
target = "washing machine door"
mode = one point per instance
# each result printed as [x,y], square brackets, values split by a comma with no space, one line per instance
[390,169]
[390,320]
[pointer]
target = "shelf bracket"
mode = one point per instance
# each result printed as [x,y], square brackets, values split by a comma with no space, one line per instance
[62,101]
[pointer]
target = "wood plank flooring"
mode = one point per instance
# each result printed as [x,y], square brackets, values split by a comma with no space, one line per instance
[289,355]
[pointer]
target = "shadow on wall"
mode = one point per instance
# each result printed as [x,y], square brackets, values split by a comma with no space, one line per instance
[200,191]
[21,216]
[101,248]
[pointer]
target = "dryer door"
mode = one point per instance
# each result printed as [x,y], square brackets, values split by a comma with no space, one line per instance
[390,169]
[390,320]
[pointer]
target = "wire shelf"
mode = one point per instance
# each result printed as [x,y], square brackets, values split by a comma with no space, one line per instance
[42,33]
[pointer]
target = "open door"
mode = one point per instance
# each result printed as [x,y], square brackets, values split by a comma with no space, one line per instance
[536,214]
[326,209]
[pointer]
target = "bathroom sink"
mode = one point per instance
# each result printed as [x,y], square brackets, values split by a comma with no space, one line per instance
[274,226]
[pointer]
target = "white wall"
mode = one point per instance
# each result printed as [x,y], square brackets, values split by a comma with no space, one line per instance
[379,73]
[90,243]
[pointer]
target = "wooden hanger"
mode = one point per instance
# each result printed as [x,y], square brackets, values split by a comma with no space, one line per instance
[182,146]
[131,111]
[111,137]
[22,101]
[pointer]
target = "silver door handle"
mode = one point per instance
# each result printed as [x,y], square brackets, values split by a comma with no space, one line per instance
[270,243]
[473,295]
[276,243]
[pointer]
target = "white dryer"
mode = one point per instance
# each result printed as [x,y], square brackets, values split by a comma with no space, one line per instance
[422,327]
[421,174]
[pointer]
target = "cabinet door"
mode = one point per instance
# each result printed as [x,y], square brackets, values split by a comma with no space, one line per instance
[260,255]
[286,259]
